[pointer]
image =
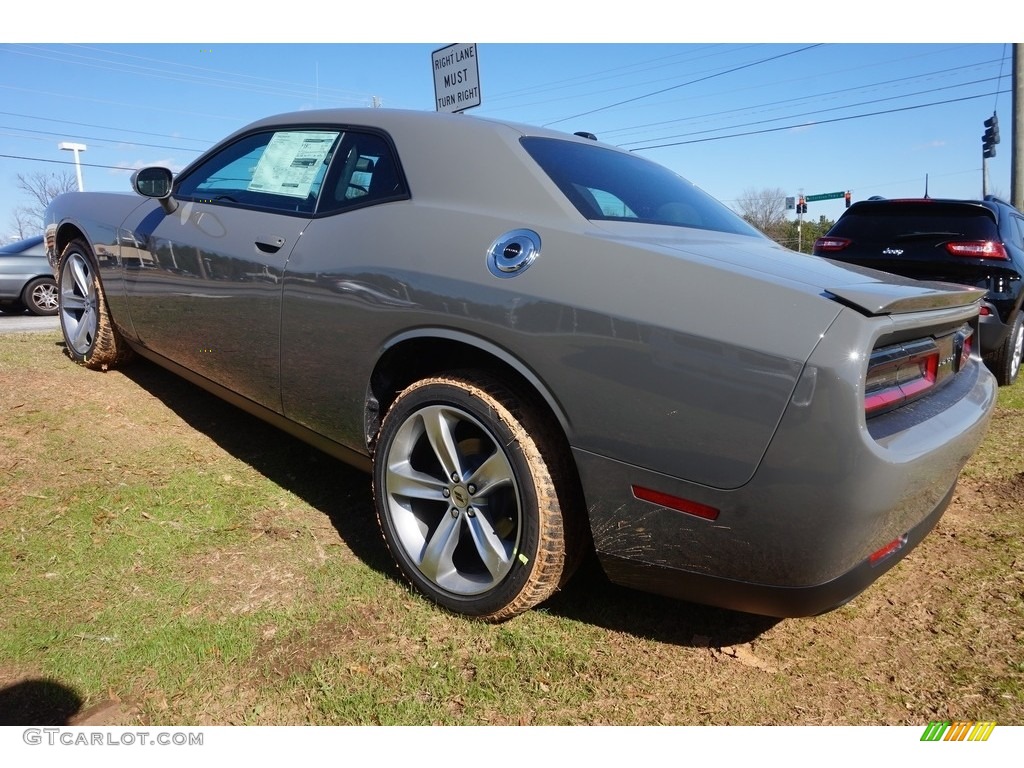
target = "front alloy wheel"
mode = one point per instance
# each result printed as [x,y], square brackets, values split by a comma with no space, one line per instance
[90,335]
[466,498]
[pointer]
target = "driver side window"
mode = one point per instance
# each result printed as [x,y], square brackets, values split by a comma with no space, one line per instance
[276,170]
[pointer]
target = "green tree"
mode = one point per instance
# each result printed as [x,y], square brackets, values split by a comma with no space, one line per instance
[803,239]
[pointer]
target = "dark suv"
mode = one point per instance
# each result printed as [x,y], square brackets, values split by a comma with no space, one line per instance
[973,242]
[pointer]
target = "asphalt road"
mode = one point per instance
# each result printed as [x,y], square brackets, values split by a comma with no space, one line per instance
[27,322]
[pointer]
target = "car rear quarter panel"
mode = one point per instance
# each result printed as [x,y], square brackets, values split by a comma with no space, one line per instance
[828,493]
[16,271]
[674,363]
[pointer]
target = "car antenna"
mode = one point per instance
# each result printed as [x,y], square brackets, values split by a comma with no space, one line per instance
[926,187]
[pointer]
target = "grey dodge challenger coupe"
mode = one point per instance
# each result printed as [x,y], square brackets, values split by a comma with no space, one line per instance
[541,345]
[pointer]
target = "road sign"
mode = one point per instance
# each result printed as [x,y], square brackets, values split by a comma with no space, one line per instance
[456,77]
[826,196]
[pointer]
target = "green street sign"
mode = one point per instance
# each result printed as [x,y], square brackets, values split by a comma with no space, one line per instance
[826,196]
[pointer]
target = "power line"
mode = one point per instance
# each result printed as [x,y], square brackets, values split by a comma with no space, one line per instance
[820,122]
[815,97]
[597,77]
[353,94]
[817,111]
[68,162]
[299,90]
[683,85]
[105,127]
[98,138]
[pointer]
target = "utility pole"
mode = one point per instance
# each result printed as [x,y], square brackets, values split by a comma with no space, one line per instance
[801,209]
[1017,130]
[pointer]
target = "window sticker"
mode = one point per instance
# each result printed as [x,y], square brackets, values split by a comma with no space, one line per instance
[291,161]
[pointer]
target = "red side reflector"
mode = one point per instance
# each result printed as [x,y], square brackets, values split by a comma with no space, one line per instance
[674,502]
[978,249]
[893,546]
[984,311]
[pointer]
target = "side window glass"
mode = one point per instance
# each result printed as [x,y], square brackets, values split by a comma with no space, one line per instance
[364,172]
[610,205]
[278,170]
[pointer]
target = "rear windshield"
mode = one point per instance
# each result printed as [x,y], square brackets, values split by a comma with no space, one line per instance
[23,245]
[889,223]
[608,185]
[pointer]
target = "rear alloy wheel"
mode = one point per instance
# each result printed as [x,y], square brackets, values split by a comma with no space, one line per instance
[1006,363]
[40,296]
[91,337]
[465,489]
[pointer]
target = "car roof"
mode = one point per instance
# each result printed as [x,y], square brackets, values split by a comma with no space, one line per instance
[405,119]
[990,203]
[441,154]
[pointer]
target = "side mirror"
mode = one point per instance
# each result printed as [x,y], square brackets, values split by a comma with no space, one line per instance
[155,182]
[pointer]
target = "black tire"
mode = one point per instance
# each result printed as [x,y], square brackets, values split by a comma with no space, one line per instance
[40,296]
[90,335]
[1005,363]
[471,497]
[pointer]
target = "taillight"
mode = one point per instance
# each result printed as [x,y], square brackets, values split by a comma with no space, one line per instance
[978,249]
[830,244]
[900,373]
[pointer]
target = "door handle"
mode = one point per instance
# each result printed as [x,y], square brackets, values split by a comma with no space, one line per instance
[269,243]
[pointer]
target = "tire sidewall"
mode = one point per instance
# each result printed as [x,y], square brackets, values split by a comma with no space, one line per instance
[75,248]
[491,415]
[1014,347]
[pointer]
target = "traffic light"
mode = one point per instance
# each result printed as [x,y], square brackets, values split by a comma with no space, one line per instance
[991,137]
[847,198]
[801,207]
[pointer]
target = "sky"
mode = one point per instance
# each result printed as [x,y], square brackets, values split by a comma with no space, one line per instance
[821,115]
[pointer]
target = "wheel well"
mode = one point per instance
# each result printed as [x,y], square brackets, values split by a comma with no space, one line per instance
[416,359]
[420,358]
[65,235]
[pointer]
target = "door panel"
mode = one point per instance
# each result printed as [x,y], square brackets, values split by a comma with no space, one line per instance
[205,292]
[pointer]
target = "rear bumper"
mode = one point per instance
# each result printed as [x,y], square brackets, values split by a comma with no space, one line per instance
[765,599]
[831,491]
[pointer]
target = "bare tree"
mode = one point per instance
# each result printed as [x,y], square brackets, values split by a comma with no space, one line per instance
[764,209]
[41,188]
[24,223]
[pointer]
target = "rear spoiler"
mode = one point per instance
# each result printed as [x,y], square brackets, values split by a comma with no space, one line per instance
[901,298]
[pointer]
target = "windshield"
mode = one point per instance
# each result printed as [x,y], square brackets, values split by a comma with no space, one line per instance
[607,185]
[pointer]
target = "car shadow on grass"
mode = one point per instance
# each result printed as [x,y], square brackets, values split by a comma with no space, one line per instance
[38,702]
[343,494]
